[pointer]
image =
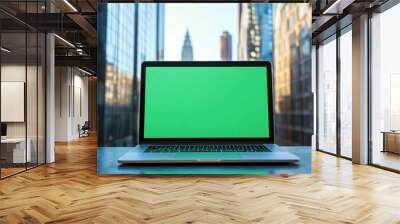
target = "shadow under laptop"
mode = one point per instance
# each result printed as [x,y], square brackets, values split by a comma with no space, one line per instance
[208,168]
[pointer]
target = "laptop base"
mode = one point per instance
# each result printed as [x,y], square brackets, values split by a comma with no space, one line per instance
[138,156]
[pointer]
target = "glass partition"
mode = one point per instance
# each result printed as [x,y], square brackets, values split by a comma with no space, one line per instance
[32,97]
[22,77]
[15,149]
[346,93]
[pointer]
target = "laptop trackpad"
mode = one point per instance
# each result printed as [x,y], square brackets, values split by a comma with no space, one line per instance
[207,156]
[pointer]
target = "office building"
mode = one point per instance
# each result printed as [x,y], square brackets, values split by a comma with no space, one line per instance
[226,46]
[150,42]
[292,80]
[249,33]
[288,46]
[255,31]
[119,76]
[69,77]
[160,29]
[187,48]
[141,37]
[265,21]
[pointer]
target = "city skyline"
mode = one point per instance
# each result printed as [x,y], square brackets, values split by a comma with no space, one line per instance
[205,36]
[240,19]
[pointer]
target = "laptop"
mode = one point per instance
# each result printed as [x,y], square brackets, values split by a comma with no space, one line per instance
[206,112]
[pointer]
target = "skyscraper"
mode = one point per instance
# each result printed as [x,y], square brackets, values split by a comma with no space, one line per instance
[129,34]
[255,31]
[264,17]
[160,31]
[226,46]
[286,42]
[150,32]
[292,76]
[187,49]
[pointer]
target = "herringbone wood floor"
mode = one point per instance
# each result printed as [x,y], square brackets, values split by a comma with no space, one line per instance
[70,191]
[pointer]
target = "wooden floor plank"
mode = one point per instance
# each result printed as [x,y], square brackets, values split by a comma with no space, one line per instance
[70,191]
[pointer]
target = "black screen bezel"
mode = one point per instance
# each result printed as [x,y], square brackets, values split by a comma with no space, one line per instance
[270,105]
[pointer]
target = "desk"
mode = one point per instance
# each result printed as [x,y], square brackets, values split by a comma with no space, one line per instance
[391,141]
[107,163]
[16,148]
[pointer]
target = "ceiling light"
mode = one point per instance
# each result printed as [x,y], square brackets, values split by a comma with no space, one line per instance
[70,5]
[65,41]
[331,7]
[5,50]
[337,7]
[84,71]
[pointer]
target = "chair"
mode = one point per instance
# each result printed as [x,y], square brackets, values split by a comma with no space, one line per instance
[84,130]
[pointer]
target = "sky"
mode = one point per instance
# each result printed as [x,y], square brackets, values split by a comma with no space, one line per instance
[206,22]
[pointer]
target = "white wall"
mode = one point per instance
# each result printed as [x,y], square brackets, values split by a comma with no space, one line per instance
[62,82]
[33,126]
[15,73]
[80,110]
[71,102]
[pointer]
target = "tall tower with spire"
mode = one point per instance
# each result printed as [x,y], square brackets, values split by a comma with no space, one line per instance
[187,49]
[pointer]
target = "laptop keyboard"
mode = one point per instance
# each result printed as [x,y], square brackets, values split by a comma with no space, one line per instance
[207,148]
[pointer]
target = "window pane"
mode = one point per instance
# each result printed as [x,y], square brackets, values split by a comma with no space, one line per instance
[385,86]
[346,94]
[327,97]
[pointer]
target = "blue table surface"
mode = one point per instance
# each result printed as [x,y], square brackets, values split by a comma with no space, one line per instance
[107,163]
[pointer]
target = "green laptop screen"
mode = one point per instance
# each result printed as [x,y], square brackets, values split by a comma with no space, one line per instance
[206,102]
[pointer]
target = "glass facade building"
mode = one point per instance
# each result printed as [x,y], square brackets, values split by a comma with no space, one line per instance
[256,36]
[255,31]
[282,33]
[128,34]
[292,74]
[147,35]
[264,16]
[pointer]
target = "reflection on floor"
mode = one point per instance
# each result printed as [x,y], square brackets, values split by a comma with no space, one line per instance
[70,191]
[386,159]
[10,169]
